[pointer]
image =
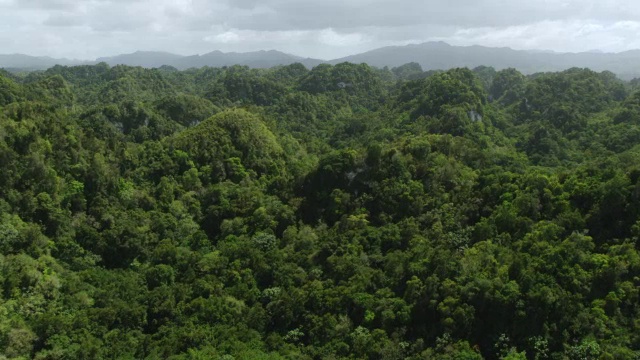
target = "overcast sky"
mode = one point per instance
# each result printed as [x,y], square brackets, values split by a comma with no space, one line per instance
[86,29]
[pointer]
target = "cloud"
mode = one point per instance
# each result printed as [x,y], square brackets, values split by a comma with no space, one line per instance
[562,36]
[311,43]
[332,38]
[340,14]
[47,4]
[227,37]
[326,29]
[64,20]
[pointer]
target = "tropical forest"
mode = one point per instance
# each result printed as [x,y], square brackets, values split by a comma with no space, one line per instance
[338,212]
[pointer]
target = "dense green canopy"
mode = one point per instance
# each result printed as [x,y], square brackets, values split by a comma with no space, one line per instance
[343,212]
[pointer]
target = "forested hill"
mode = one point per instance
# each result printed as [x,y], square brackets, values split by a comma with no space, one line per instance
[342,212]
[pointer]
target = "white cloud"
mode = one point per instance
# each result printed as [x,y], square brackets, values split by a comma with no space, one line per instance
[561,36]
[332,38]
[325,29]
[226,37]
[313,43]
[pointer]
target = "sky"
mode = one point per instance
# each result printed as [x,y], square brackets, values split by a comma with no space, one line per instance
[323,29]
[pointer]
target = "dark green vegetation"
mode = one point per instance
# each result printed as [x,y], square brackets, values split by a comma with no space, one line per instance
[342,212]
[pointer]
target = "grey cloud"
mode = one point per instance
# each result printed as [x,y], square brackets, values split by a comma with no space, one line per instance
[294,14]
[48,4]
[104,16]
[349,14]
[63,20]
[321,28]
[279,15]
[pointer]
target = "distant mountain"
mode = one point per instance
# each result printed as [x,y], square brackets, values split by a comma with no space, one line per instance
[149,59]
[154,59]
[256,59]
[27,62]
[442,56]
[430,55]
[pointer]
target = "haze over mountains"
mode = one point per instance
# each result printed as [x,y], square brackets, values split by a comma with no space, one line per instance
[442,56]
[26,62]
[430,55]
[256,59]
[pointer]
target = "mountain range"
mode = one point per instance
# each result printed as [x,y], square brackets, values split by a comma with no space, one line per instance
[256,59]
[430,55]
[27,62]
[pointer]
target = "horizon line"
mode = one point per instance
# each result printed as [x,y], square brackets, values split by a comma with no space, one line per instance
[95,60]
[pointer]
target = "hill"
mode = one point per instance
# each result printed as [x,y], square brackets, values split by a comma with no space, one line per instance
[442,56]
[430,55]
[256,59]
[148,59]
[342,212]
[27,62]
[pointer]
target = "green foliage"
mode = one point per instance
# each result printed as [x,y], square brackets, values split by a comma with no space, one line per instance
[342,212]
[232,133]
[508,86]
[241,85]
[448,102]
[410,71]
[186,110]
[9,91]
[359,82]
[54,90]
